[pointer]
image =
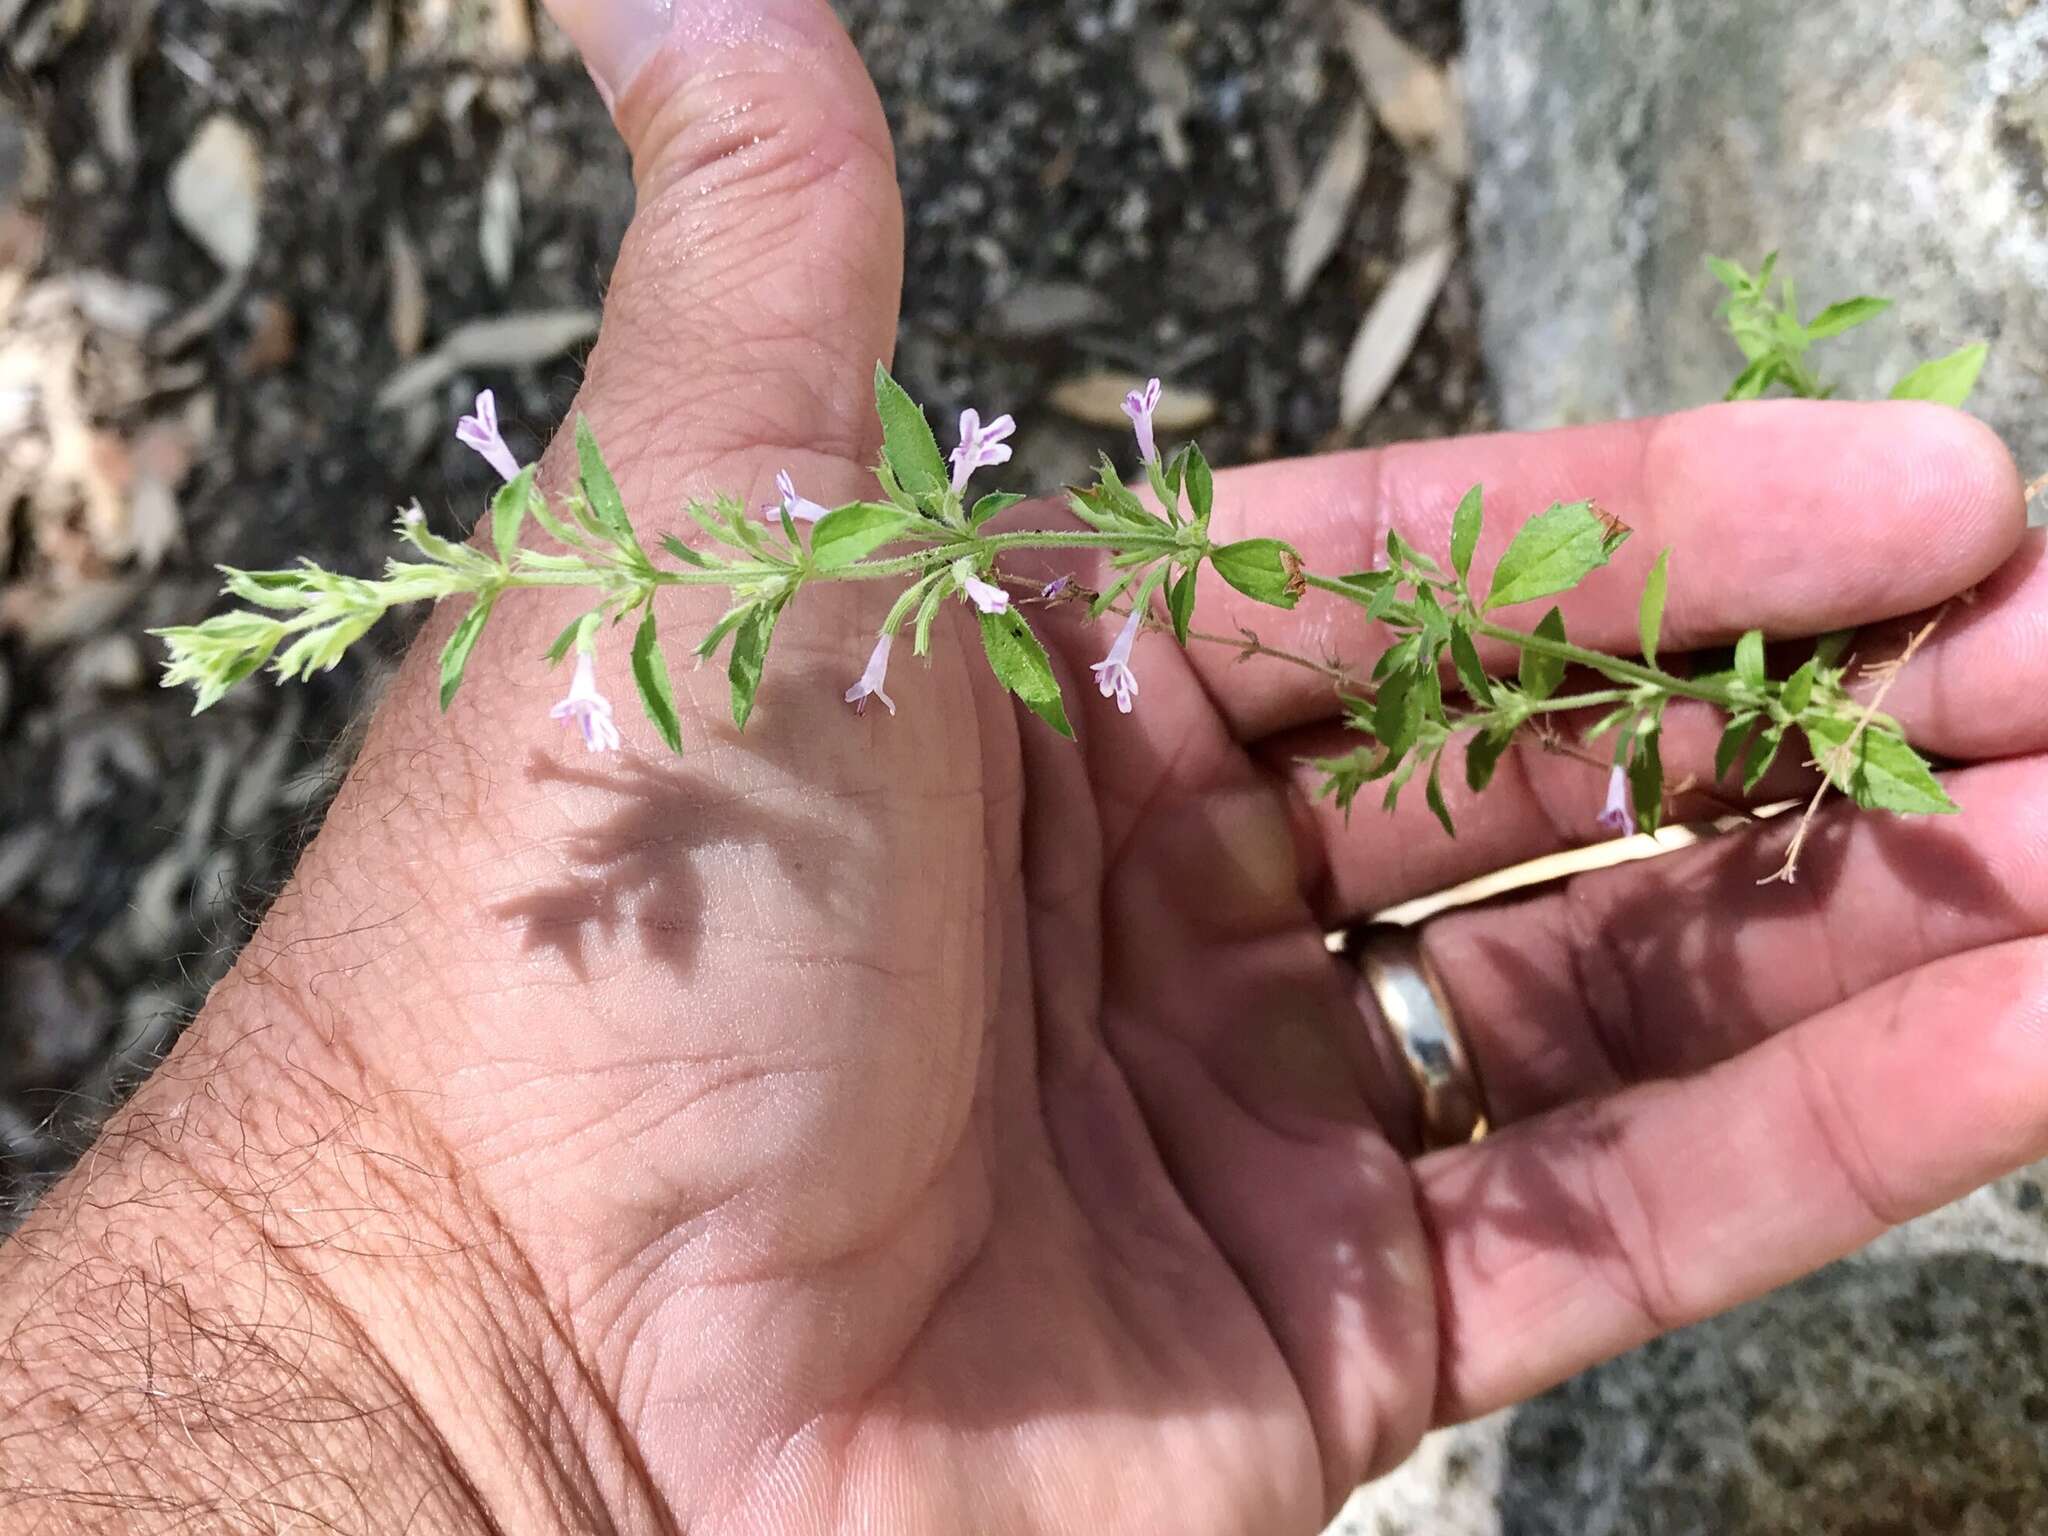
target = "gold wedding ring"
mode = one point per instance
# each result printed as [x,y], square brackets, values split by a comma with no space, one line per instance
[1418,1021]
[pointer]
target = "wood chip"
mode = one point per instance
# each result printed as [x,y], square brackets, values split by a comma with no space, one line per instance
[498,218]
[408,300]
[1036,311]
[513,32]
[1417,103]
[1325,212]
[1098,399]
[1166,78]
[216,192]
[273,337]
[1429,211]
[1391,326]
[505,341]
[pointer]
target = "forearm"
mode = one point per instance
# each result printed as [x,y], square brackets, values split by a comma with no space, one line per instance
[263,1302]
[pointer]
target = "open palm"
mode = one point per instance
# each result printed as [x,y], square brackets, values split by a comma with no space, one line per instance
[918,1122]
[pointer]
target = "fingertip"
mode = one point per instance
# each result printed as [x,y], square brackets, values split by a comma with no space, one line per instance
[1971,462]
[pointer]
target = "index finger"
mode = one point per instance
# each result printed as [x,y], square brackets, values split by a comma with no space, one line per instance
[1792,516]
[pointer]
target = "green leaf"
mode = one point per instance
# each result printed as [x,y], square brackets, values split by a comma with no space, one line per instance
[1732,741]
[600,490]
[682,553]
[1845,316]
[1020,665]
[1465,523]
[1798,690]
[750,641]
[1646,782]
[1947,381]
[1344,777]
[1397,716]
[1483,755]
[1553,552]
[1652,618]
[1880,772]
[891,487]
[578,632]
[1176,473]
[1759,376]
[1542,675]
[1401,553]
[455,655]
[1749,659]
[1435,795]
[1465,657]
[1612,721]
[907,442]
[1730,276]
[1201,490]
[1830,648]
[734,618]
[1762,753]
[1363,586]
[992,506]
[853,533]
[657,693]
[508,513]
[1180,602]
[1115,498]
[1398,657]
[1263,569]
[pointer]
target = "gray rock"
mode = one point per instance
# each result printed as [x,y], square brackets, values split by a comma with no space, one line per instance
[1884,148]
[1899,1391]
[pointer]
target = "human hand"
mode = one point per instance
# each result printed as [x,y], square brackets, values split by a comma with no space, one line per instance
[919,1123]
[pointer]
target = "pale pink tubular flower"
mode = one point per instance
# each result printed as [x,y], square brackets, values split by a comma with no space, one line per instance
[1139,405]
[871,681]
[481,433]
[986,596]
[981,447]
[1113,673]
[799,509]
[589,709]
[1617,816]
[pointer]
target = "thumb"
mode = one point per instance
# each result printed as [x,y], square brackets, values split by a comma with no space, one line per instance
[761,276]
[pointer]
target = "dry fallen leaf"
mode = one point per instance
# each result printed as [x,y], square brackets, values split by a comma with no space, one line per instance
[1417,103]
[498,219]
[1325,211]
[505,341]
[514,31]
[1098,399]
[1168,81]
[273,337]
[1391,326]
[1429,211]
[408,309]
[216,191]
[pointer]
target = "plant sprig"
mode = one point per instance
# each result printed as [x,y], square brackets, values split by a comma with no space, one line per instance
[1431,707]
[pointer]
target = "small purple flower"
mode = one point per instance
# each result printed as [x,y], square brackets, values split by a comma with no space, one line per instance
[1617,816]
[1057,588]
[589,709]
[981,447]
[481,433]
[799,509]
[1113,673]
[871,681]
[412,516]
[1139,406]
[988,597]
